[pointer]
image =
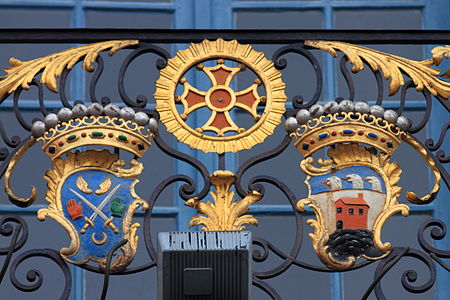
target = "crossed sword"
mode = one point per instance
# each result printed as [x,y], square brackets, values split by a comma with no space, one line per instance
[98,211]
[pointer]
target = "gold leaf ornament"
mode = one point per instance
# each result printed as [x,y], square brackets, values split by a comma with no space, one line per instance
[392,66]
[22,72]
[82,185]
[104,186]
[225,213]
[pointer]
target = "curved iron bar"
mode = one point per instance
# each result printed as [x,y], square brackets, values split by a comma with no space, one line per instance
[35,277]
[427,95]
[3,98]
[440,262]
[254,185]
[108,266]
[13,142]
[62,88]
[351,86]
[4,153]
[380,85]
[269,246]
[127,271]
[277,150]
[440,155]
[95,77]
[25,125]
[12,248]
[444,102]
[438,232]
[347,77]
[185,193]
[444,174]
[6,229]
[429,143]
[185,188]
[409,275]
[403,92]
[385,269]
[265,287]
[6,156]
[280,64]
[141,100]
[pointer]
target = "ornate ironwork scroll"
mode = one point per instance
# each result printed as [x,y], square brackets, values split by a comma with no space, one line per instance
[353,189]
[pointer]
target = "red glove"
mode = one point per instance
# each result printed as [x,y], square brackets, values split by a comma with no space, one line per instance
[74,209]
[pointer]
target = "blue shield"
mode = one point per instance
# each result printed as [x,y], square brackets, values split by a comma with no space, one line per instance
[95,202]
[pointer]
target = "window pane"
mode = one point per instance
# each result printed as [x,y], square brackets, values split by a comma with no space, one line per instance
[31,18]
[34,18]
[378,19]
[308,19]
[117,19]
[365,84]
[127,4]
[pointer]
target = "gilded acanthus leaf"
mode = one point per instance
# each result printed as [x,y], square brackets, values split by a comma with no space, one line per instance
[22,72]
[438,54]
[392,66]
[225,213]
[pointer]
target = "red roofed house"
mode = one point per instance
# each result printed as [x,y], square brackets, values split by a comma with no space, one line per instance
[351,213]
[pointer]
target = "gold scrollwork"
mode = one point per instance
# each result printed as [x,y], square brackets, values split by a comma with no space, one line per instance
[225,213]
[411,196]
[392,66]
[19,201]
[22,72]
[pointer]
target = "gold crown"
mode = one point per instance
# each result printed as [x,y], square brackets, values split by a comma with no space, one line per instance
[96,130]
[347,127]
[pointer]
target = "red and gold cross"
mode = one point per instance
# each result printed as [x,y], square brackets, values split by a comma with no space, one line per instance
[220,98]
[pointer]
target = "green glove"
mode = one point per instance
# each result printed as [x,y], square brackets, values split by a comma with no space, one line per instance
[117,208]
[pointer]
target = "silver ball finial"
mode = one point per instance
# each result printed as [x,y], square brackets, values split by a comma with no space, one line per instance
[291,124]
[127,113]
[37,129]
[51,120]
[302,116]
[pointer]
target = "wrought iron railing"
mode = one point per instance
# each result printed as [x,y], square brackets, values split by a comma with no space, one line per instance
[402,75]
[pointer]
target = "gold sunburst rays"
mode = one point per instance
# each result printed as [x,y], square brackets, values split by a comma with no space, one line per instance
[220,49]
[393,66]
